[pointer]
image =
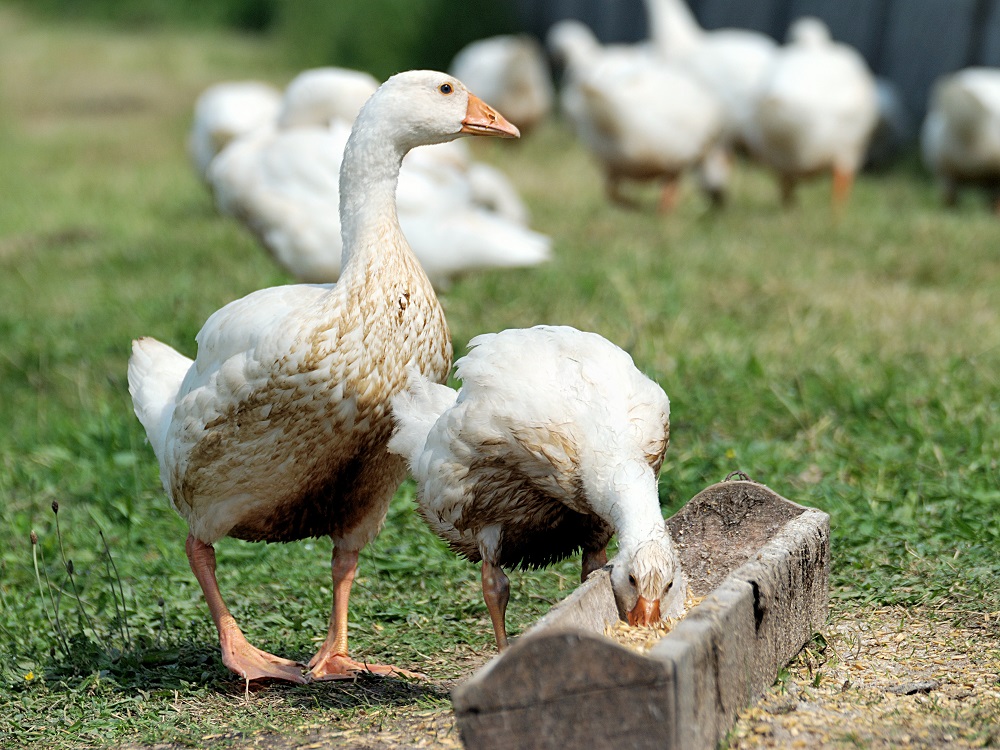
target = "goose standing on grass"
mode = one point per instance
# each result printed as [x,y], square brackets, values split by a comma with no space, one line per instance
[552,445]
[816,111]
[641,118]
[277,431]
[960,139]
[226,111]
[510,71]
[280,183]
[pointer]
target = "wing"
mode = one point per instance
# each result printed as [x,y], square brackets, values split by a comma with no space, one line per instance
[247,330]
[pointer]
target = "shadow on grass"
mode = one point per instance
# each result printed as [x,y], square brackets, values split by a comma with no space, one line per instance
[188,665]
[365,692]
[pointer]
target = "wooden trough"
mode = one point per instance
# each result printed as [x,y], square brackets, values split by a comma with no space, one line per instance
[763,564]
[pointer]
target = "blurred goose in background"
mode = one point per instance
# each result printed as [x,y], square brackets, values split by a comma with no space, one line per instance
[552,445]
[960,139]
[732,63]
[281,181]
[510,71]
[324,95]
[226,111]
[816,111]
[641,117]
[277,431]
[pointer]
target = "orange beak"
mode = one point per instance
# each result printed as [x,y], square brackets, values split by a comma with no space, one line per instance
[482,119]
[644,613]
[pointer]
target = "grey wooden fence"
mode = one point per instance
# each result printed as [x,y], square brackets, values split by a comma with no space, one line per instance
[911,42]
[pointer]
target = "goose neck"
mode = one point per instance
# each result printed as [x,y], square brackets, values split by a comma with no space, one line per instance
[368,177]
[634,504]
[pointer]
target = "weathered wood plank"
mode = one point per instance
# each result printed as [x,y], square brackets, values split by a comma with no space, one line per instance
[591,607]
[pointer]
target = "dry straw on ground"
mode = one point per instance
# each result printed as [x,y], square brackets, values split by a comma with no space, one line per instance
[886,678]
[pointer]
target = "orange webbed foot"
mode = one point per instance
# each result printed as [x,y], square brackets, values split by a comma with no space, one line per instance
[254,665]
[340,667]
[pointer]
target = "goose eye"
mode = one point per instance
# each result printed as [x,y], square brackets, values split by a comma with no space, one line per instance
[445,88]
[631,579]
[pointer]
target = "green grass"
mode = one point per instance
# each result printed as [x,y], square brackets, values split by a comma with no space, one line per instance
[850,364]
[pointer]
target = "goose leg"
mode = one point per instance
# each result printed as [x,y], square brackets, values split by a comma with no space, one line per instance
[669,195]
[787,183]
[592,560]
[237,654]
[714,173]
[613,188]
[496,593]
[331,662]
[949,193]
[843,180]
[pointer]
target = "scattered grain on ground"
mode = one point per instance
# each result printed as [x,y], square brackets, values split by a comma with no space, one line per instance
[641,638]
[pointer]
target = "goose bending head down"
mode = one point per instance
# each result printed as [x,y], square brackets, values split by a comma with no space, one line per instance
[277,431]
[643,580]
[552,445]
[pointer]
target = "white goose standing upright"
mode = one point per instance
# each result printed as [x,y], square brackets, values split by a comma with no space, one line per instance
[278,429]
[552,445]
[816,112]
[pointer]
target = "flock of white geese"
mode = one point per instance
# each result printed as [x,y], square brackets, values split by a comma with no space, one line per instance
[307,404]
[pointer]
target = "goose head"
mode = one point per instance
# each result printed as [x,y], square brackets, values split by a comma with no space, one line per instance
[424,107]
[572,44]
[648,582]
[809,31]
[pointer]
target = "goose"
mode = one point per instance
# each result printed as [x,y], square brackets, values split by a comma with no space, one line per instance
[816,111]
[320,95]
[226,111]
[277,430]
[960,138]
[642,118]
[732,63]
[552,445]
[281,182]
[509,70]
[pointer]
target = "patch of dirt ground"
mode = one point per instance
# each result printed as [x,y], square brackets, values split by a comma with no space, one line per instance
[885,678]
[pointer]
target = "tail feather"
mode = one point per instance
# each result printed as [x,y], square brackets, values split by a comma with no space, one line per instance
[415,411]
[155,374]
